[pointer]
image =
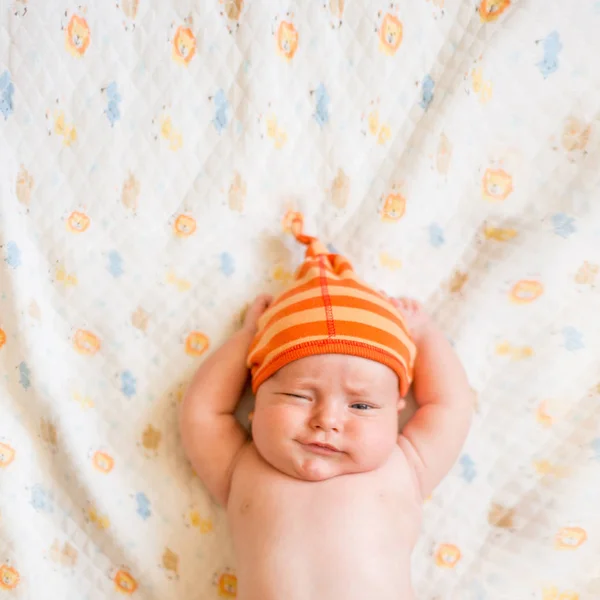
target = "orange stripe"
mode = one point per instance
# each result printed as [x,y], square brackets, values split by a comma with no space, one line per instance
[356,331]
[336,301]
[314,282]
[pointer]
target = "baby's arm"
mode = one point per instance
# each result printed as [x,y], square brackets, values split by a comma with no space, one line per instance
[210,433]
[432,439]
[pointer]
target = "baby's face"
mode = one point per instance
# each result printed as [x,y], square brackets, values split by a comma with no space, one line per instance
[327,415]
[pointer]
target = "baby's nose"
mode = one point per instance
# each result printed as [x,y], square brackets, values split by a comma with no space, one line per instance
[327,418]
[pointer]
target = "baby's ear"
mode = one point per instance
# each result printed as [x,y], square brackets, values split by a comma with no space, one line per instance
[401,404]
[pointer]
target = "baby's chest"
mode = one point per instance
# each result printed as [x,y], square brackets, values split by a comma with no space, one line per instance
[265,502]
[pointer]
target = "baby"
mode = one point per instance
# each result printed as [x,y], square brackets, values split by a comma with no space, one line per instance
[324,500]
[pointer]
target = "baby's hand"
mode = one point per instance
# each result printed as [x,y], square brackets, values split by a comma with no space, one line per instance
[417,320]
[255,310]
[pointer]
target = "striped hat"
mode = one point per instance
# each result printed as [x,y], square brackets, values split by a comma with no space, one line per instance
[328,310]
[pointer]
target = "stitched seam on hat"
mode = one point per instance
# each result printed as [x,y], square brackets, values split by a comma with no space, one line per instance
[326,298]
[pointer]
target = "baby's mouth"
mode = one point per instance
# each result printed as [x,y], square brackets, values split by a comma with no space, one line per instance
[320,448]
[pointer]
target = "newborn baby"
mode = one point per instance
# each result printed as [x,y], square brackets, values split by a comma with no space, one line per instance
[324,499]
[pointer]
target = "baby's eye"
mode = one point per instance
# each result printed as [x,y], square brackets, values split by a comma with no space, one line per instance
[361,406]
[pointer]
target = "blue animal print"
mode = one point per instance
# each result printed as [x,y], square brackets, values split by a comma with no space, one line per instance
[572,338]
[112,112]
[115,263]
[220,119]
[563,225]
[552,47]
[128,384]
[7,89]
[41,499]
[468,468]
[13,255]
[24,376]
[427,86]
[436,235]
[227,264]
[321,113]
[143,505]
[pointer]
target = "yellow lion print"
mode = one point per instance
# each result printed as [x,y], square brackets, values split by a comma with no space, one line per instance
[83,400]
[169,133]
[182,285]
[287,40]
[125,583]
[24,186]
[375,128]
[515,352]
[490,10]
[547,469]
[280,273]
[457,281]
[394,208]
[151,438]
[586,274]
[496,185]
[196,520]
[184,45]
[390,34]
[62,128]
[278,135]
[482,88]
[65,278]
[553,593]
[542,416]
[447,556]
[7,455]
[77,36]
[389,262]
[9,577]
[500,516]
[499,234]
[101,521]
[570,538]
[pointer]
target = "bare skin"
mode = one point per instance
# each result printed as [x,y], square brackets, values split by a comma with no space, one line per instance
[325,500]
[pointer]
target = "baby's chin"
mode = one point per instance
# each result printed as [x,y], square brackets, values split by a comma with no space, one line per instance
[314,468]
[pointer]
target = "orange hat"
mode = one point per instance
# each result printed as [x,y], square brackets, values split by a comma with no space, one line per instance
[328,310]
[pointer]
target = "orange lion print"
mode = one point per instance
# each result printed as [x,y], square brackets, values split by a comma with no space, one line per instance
[184,45]
[394,208]
[85,342]
[526,291]
[447,556]
[77,222]
[9,578]
[103,461]
[7,455]
[227,585]
[184,226]
[196,344]
[125,582]
[570,538]
[490,10]
[287,40]
[77,36]
[496,185]
[390,34]
[2,338]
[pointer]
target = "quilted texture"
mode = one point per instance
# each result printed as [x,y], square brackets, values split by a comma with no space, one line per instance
[148,154]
